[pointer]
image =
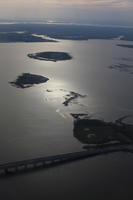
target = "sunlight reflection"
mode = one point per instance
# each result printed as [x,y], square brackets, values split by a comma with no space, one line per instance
[65,101]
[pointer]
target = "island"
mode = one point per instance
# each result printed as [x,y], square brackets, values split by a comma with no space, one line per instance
[27,80]
[51,56]
[71,97]
[67,97]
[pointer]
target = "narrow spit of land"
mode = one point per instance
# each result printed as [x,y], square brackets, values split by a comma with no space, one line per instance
[21,36]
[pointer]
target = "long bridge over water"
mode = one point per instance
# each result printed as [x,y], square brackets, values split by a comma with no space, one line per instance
[12,168]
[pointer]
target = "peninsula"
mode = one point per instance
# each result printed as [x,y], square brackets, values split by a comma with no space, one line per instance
[98,133]
[22,36]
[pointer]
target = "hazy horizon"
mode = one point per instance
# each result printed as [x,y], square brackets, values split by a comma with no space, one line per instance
[66,120]
[104,12]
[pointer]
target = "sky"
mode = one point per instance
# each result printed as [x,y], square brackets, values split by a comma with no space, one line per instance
[109,12]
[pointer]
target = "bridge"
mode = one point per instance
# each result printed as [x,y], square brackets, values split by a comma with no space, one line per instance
[12,168]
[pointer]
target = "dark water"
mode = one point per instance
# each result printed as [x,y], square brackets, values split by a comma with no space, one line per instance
[34,121]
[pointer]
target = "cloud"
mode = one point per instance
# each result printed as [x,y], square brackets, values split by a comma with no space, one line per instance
[112,3]
[77,3]
[70,2]
[87,11]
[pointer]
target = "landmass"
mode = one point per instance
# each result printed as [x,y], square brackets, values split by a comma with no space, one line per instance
[69,31]
[98,133]
[126,45]
[27,80]
[50,56]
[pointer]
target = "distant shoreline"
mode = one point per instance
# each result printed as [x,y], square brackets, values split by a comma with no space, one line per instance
[11,22]
[63,31]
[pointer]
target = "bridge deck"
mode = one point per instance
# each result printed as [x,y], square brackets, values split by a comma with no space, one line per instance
[25,165]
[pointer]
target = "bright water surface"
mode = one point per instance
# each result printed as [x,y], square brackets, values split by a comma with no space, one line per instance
[34,122]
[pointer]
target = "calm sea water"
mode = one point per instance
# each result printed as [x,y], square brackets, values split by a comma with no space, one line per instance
[34,122]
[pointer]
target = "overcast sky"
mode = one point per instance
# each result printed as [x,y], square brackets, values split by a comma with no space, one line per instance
[80,11]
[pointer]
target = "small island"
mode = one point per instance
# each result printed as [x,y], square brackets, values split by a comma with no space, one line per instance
[67,97]
[125,45]
[122,68]
[27,80]
[51,56]
[71,97]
